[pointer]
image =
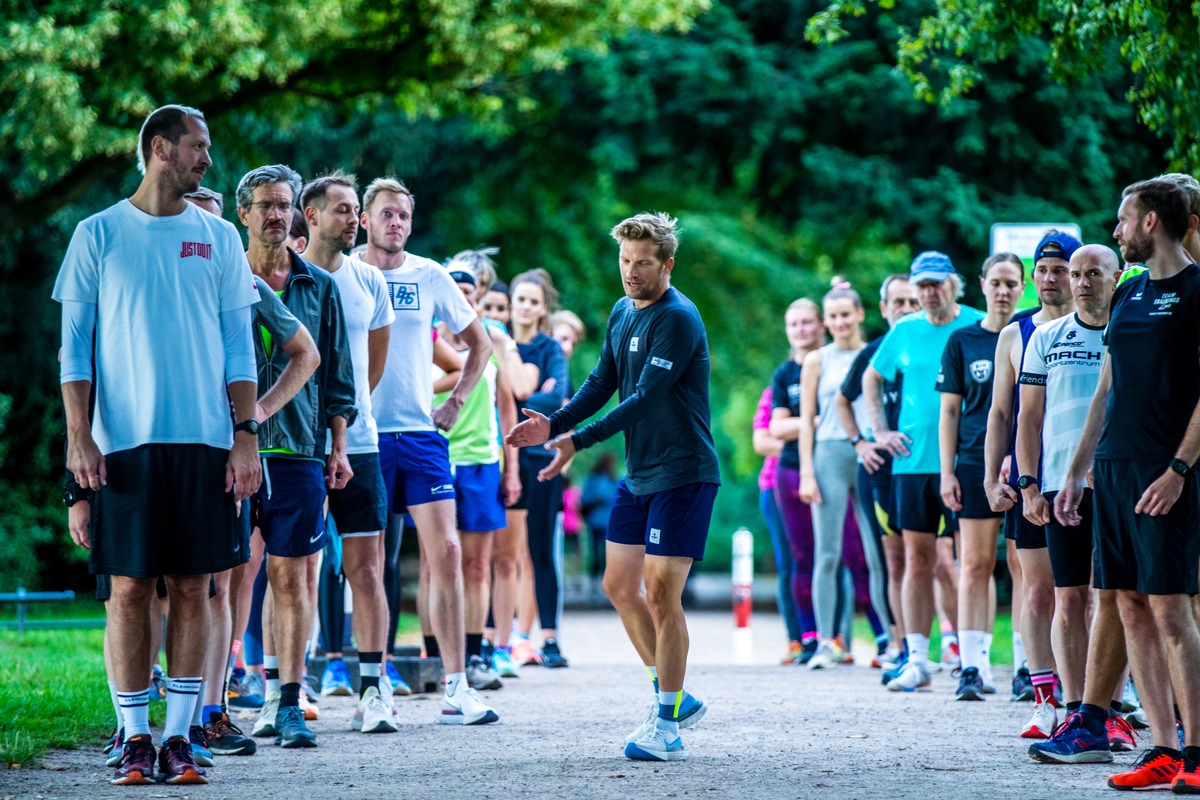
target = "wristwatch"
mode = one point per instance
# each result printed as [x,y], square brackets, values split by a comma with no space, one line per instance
[250,426]
[857,439]
[74,493]
[1181,466]
[1025,481]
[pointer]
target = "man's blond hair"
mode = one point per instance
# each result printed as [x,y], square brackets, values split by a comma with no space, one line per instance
[389,184]
[660,228]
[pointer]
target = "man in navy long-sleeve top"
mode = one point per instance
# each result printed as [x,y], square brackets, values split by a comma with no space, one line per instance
[656,355]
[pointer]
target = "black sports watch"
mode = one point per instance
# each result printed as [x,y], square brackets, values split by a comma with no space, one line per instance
[1181,466]
[1025,481]
[250,426]
[857,439]
[74,493]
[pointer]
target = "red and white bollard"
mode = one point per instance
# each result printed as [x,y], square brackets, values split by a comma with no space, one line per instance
[743,602]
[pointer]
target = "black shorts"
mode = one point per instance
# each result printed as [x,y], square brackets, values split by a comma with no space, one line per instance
[289,506]
[885,507]
[360,509]
[1138,552]
[1026,535]
[165,511]
[918,503]
[1070,546]
[104,587]
[974,498]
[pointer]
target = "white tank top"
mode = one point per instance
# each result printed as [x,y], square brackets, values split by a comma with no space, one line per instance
[835,364]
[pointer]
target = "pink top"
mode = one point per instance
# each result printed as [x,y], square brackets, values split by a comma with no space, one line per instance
[762,421]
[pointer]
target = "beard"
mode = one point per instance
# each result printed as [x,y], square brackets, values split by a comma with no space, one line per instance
[177,179]
[1138,249]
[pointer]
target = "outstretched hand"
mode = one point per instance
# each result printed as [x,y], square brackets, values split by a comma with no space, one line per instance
[564,452]
[534,430]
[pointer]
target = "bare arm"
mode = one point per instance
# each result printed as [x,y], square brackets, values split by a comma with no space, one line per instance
[1066,502]
[303,362]
[892,441]
[871,460]
[784,426]
[767,445]
[243,472]
[377,349]
[445,415]
[83,456]
[1029,450]
[810,379]
[449,362]
[506,406]
[951,413]
[1000,420]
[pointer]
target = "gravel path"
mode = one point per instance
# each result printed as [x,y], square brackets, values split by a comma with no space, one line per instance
[771,731]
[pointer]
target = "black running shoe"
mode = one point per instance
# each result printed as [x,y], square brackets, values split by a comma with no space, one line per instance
[290,730]
[970,685]
[227,739]
[1022,687]
[806,654]
[552,656]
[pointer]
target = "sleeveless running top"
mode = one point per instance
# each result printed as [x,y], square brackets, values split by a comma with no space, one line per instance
[835,364]
[1026,326]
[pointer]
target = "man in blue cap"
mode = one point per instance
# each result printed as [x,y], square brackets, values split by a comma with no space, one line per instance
[913,349]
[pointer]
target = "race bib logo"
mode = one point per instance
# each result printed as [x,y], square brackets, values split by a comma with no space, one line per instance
[633,343]
[981,370]
[405,296]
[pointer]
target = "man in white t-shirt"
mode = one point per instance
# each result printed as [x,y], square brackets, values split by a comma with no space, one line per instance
[330,204]
[414,457]
[150,280]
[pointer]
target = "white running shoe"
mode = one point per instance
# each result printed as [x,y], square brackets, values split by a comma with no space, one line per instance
[387,692]
[1043,723]
[481,676]
[656,745]
[466,708]
[373,714]
[265,724]
[914,677]
[502,662]
[1129,698]
[989,682]
[824,658]
[645,726]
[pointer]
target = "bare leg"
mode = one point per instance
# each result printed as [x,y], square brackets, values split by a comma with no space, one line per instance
[242,588]
[1177,628]
[1148,660]
[292,611]
[1106,658]
[188,626]
[1070,637]
[363,568]
[893,553]
[526,589]
[1013,561]
[623,586]
[159,607]
[129,631]
[506,547]
[665,577]
[1038,608]
[477,572]
[945,571]
[437,529]
[423,590]
[220,635]
[920,556]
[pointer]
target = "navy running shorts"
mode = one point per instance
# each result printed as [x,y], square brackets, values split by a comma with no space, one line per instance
[360,509]
[673,522]
[416,469]
[917,500]
[289,507]
[480,508]
[1070,546]
[974,498]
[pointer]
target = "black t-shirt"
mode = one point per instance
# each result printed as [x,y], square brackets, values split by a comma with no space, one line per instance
[1153,340]
[785,393]
[546,354]
[657,357]
[852,389]
[967,370]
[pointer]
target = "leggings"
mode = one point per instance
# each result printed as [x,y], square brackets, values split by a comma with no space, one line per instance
[797,521]
[872,542]
[542,503]
[783,562]
[837,473]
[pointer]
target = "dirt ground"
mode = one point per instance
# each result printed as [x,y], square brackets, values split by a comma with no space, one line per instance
[771,731]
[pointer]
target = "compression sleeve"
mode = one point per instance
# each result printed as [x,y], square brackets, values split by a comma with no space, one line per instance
[78,333]
[237,336]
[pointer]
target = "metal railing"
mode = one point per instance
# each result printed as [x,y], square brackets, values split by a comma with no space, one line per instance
[22,598]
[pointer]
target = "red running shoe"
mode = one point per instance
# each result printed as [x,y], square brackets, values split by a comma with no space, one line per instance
[1156,769]
[137,762]
[1120,734]
[176,764]
[1187,780]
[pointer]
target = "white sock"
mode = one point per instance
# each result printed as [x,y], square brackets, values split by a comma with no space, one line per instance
[918,648]
[1018,650]
[182,696]
[668,705]
[986,666]
[112,692]
[198,711]
[135,712]
[454,682]
[271,662]
[972,649]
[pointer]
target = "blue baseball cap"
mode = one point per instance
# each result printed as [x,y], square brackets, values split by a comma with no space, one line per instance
[930,266]
[1067,245]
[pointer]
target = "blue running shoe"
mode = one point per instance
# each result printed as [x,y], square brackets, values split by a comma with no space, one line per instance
[890,675]
[1072,743]
[290,730]
[240,694]
[399,686]
[201,753]
[1022,686]
[656,745]
[970,685]
[335,680]
[691,711]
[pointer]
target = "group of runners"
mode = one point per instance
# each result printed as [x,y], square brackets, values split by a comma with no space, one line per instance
[1074,427]
[233,404]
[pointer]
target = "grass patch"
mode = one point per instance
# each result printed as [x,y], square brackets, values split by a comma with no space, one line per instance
[1001,652]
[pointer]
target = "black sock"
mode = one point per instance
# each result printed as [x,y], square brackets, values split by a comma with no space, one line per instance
[270,674]
[431,647]
[1170,751]
[1094,718]
[289,695]
[367,681]
[1191,754]
[1073,706]
[1115,707]
[474,644]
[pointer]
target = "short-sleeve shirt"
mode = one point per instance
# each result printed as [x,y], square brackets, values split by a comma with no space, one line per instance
[785,393]
[160,285]
[366,307]
[1065,356]
[419,290]
[1153,339]
[913,348]
[968,366]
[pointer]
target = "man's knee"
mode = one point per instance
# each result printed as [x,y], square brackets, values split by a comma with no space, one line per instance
[187,589]
[621,589]
[1071,604]
[1173,618]
[135,591]
[662,599]
[288,578]
[1039,598]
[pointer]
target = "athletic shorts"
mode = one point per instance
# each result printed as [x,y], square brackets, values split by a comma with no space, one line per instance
[974,498]
[289,507]
[165,511]
[1016,527]
[360,509]
[416,469]
[918,503]
[480,508]
[885,506]
[673,522]
[1138,552]
[1070,546]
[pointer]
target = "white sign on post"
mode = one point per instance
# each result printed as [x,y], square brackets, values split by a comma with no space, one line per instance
[1021,238]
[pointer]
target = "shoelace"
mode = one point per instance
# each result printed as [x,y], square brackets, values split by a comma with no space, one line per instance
[223,727]
[1123,724]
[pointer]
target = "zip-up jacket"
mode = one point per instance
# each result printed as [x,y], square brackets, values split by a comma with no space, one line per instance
[302,424]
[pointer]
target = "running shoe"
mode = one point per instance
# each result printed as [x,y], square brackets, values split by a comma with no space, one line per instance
[290,730]
[824,658]
[807,650]
[691,710]
[158,683]
[227,739]
[465,708]
[198,739]
[136,764]
[523,652]
[890,675]
[177,765]
[1022,686]
[656,745]
[1129,698]
[1187,780]
[1072,743]
[1043,722]
[373,714]
[970,685]
[989,681]
[844,656]
[504,664]
[891,658]
[1156,769]
[256,684]
[239,693]
[486,651]
[1137,719]
[311,712]
[335,680]
[1121,736]
[399,685]
[552,657]
[114,741]
[265,724]
[115,753]
[914,677]
[793,652]
[309,685]
[480,676]
[951,657]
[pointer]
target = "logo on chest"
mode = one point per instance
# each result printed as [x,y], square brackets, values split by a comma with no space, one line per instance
[200,249]
[405,296]
[981,370]
[1163,305]
[633,344]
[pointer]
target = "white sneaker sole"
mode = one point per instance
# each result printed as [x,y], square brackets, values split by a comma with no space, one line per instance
[452,717]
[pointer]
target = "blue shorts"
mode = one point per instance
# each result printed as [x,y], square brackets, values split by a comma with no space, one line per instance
[478,488]
[360,509]
[416,469]
[669,523]
[289,506]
